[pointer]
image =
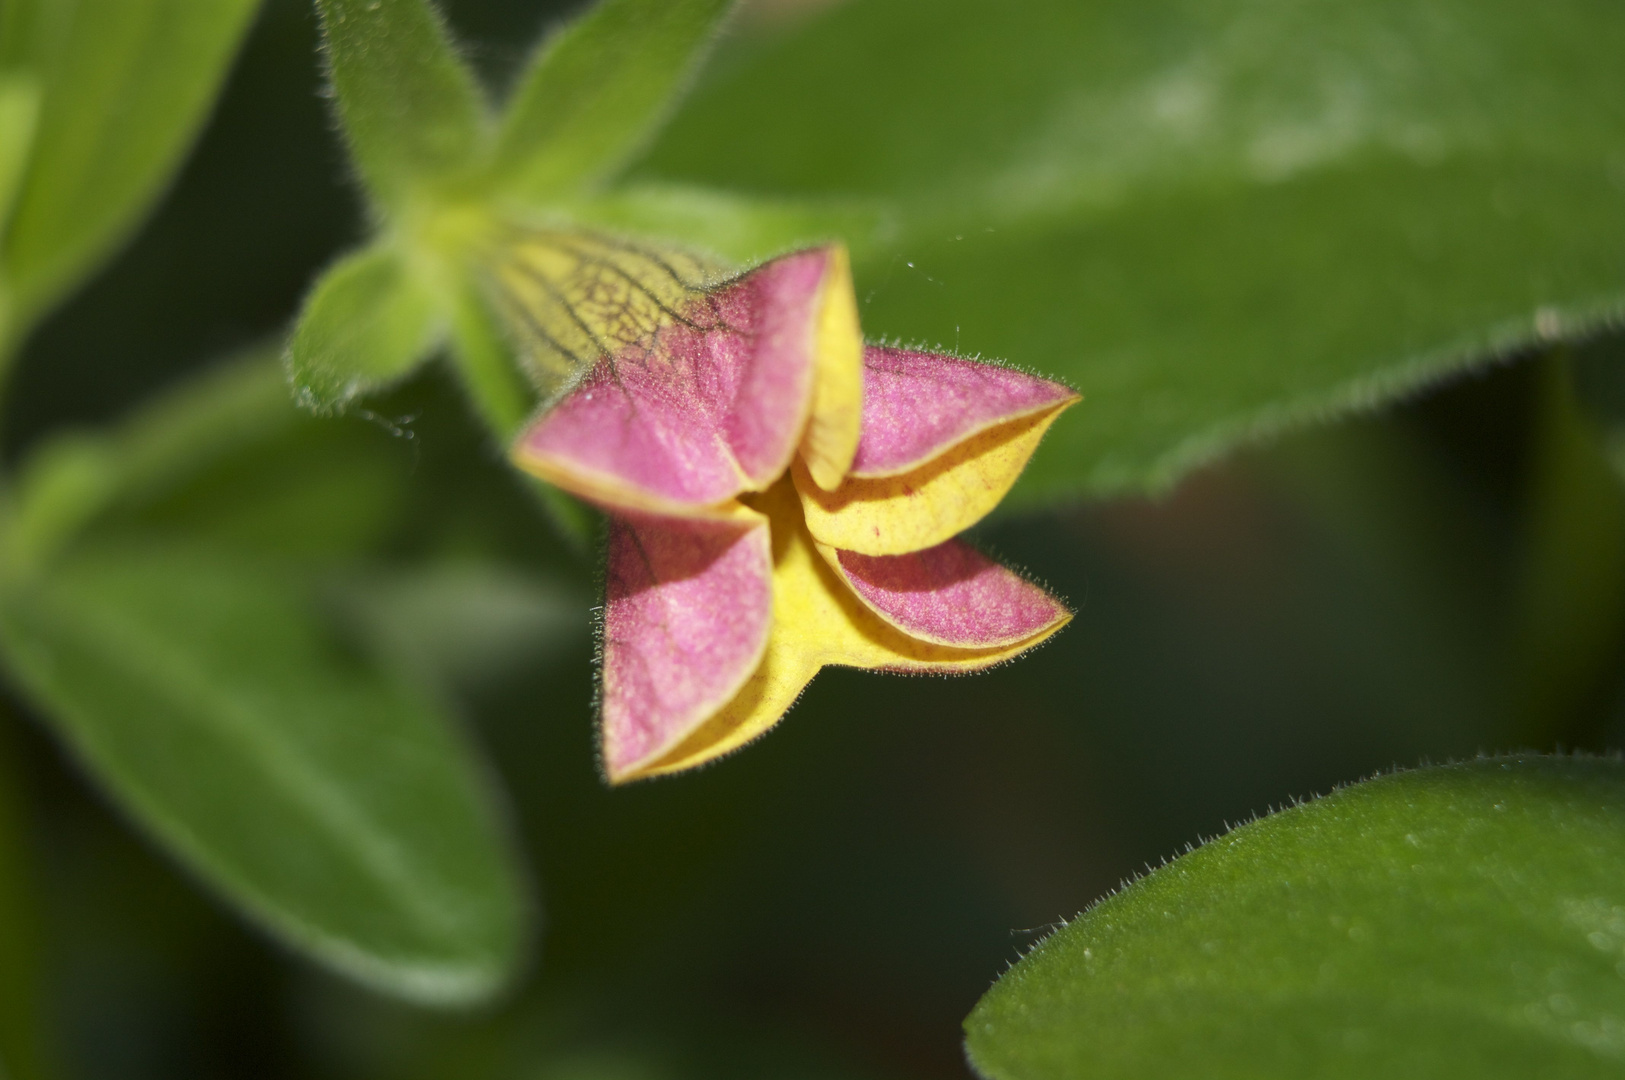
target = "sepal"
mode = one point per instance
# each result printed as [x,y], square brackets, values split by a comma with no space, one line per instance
[596,89]
[410,108]
[366,324]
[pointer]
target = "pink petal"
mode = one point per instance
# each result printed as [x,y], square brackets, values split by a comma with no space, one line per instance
[711,406]
[951,594]
[916,405]
[687,611]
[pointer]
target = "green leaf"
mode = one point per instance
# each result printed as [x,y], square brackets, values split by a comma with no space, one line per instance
[19,110]
[68,481]
[124,86]
[227,461]
[1217,221]
[597,89]
[61,488]
[328,799]
[410,107]
[461,623]
[240,401]
[1459,921]
[367,322]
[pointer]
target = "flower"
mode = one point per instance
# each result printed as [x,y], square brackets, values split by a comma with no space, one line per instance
[781,496]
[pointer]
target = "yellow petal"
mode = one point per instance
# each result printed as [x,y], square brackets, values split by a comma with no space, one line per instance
[894,515]
[817,621]
[831,439]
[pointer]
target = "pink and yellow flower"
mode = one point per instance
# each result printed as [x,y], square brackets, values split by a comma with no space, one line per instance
[782,498]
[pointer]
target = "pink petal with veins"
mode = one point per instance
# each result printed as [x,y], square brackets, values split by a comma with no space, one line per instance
[687,610]
[952,594]
[713,405]
[916,405]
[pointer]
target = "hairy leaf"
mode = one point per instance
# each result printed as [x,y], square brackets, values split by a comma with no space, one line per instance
[596,89]
[331,801]
[1459,921]
[1217,222]
[124,86]
[409,106]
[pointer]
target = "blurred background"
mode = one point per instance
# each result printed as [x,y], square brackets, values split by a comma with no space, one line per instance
[831,903]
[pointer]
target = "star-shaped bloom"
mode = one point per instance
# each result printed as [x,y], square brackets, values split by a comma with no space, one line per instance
[781,496]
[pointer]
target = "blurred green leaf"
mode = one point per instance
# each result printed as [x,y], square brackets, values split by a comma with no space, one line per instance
[367,323]
[1467,920]
[240,401]
[64,485]
[320,494]
[596,90]
[1218,222]
[458,623]
[124,85]
[332,802]
[225,460]
[327,786]
[19,110]
[409,106]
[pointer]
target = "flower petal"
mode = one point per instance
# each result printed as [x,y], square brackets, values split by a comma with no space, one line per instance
[950,594]
[894,515]
[836,425]
[687,610]
[712,402]
[817,621]
[917,405]
[977,426]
